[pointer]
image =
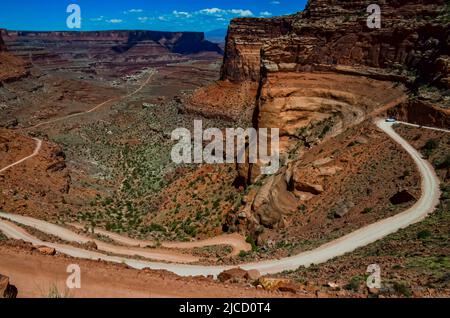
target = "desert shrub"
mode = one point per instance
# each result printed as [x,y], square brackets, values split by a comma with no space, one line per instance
[445,188]
[367,210]
[154,227]
[423,235]
[402,288]
[443,163]
[243,254]
[325,131]
[429,147]
[354,284]
[250,240]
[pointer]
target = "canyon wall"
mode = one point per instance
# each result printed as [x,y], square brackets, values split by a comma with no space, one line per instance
[11,67]
[414,37]
[323,71]
[175,42]
[106,52]
[243,45]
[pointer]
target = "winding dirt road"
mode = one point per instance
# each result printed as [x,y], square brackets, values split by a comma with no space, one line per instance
[236,241]
[35,152]
[98,106]
[348,243]
[424,127]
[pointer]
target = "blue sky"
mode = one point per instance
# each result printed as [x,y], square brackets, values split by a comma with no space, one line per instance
[170,15]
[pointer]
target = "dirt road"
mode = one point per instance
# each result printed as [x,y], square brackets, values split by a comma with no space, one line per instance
[35,275]
[235,240]
[362,237]
[35,152]
[96,107]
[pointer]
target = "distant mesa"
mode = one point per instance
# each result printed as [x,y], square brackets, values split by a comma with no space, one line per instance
[103,53]
[175,42]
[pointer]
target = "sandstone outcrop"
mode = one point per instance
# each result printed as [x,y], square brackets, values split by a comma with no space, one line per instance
[46,250]
[238,275]
[244,41]
[6,289]
[323,71]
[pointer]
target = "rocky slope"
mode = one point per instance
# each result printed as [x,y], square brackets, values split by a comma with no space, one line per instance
[321,72]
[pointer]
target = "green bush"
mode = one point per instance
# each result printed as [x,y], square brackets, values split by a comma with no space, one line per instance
[367,210]
[429,147]
[154,227]
[243,254]
[402,288]
[250,240]
[443,163]
[354,284]
[423,235]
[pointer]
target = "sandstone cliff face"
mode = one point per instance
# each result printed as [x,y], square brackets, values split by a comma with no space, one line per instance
[414,36]
[11,68]
[244,42]
[323,71]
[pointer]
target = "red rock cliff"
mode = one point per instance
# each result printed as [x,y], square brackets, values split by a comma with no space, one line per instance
[323,71]
[414,37]
[243,45]
[11,67]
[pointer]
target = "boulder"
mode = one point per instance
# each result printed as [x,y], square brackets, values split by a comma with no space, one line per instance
[238,275]
[278,284]
[46,250]
[254,274]
[304,186]
[6,289]
[273,202]
[234,275]
[342,208]
[90,245]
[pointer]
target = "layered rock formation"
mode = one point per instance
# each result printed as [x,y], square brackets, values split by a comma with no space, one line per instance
[244,41]
[106,49]
[323,71]
[11,67]
[414,36]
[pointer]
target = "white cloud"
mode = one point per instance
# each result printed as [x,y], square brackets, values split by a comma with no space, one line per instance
[265,13]
[242,13]
[181,14]
[133,11]
[211,11]
[203,16]
[221,12]
[114,21]
[97,19]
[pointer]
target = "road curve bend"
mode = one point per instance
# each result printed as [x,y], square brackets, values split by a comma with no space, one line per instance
[35,152]
[348,243]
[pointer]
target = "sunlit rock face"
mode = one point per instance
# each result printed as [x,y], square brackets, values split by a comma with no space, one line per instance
[324,70]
